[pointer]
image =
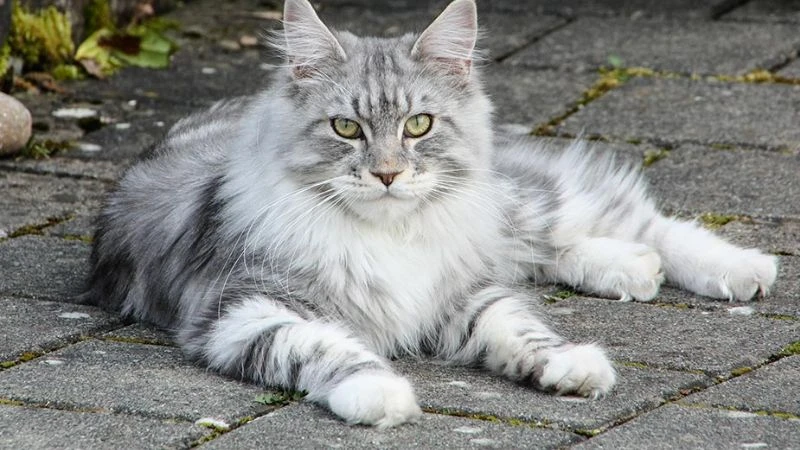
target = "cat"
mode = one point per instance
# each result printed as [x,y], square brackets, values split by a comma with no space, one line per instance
[364,207]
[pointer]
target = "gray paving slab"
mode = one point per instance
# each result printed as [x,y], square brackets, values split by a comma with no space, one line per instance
[673,427]
[770,388]
[34,326]
[679,110]
[80,227]
[532,98]
[783,301]
[43,267]
[306,426]
[66,164]
[715,342]
[505,33]
[567,8]
[697,179]
[150,380]
[29,199]
[37,428]
[775,235]
[469,390]
[696,47]
[791,70]
[766,10]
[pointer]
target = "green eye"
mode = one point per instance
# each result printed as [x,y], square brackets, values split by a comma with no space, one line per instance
[346,128]
[418,125]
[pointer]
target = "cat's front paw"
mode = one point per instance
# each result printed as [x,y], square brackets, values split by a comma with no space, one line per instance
[741,274]
[374,398]
[575,369]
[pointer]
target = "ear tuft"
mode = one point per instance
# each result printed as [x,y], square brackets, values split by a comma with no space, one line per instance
[450,39]
[308,43]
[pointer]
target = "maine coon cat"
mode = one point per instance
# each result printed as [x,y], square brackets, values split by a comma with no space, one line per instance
[364,208]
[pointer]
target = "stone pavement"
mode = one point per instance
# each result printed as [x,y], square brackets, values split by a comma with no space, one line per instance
[705,93]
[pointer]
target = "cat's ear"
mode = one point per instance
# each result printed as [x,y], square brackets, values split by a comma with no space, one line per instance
[450,39]
[308,42]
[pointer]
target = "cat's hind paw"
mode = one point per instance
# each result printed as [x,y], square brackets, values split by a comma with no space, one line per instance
[742,275]
[575,369]
[374,398]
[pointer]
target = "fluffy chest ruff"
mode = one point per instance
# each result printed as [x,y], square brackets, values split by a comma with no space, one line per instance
[392,284]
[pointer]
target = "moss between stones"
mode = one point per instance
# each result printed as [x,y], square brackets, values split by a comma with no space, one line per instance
[741,371]
[791,349]
[38,229]
[714,221]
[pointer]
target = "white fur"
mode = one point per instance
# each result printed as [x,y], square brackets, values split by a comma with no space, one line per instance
[581,369]
[379,399]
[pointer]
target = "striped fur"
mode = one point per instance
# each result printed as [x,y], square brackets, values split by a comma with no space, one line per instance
[273,249]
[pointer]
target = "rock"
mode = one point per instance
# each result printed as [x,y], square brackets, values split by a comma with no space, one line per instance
[15,125]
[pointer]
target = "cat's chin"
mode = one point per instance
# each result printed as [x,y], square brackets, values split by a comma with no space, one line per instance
[385,208]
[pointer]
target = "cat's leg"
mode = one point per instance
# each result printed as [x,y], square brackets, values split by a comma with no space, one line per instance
[260,339]
[699,261]
[499,330]
[608,267]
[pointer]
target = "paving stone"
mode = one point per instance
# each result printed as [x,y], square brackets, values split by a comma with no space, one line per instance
[81,227]
[29,199]
[673,427]
[770,388]
[43,267]
[155,381]
[532,98]
[694,180]
[34,326]
[714,342]
[37,428]
[67,165]
[767,10]
[473,391]
[791,70]
[775,235]
[505,33]
[569,8]
[675,46]
[676,110]
[307,426]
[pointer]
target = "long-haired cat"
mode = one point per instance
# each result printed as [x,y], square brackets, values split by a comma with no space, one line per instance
[362,208]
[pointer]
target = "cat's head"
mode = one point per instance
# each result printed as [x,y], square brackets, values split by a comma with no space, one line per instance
[386,126]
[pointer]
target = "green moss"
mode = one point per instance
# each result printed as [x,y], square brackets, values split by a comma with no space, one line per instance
[67,72]
[9,402]
[588,433]
[714,221]
[562,294]
[27,356]
[76,237]
[37,229]
[43,39]
[741,371]
[7,364]
[652,156]
[634,364]
[279,398]
[97,15]
[720,146]
[778,316]
[5,58]
[791,349]
[36,149]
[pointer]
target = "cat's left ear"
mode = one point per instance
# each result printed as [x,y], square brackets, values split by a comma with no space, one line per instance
[308,42]
[450,39]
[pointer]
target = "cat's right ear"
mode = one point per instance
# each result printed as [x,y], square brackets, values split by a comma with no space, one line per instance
[449,41]
[308,43]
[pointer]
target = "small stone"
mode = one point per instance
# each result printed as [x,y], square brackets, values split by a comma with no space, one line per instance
[74,315]
[229,45]
[208,70]
[248,41]
[74,113]
[88,147]
[15,125]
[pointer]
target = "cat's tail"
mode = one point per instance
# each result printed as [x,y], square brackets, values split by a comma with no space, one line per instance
[259,339]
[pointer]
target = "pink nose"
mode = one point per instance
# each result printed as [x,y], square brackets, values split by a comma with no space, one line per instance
[386,178]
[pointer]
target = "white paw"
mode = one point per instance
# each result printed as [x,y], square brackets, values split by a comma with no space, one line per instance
[741,274]
[625,270]
[576,369]
[374,398]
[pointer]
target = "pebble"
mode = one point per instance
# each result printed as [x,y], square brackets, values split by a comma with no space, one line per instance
[248,41]
[15,125]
